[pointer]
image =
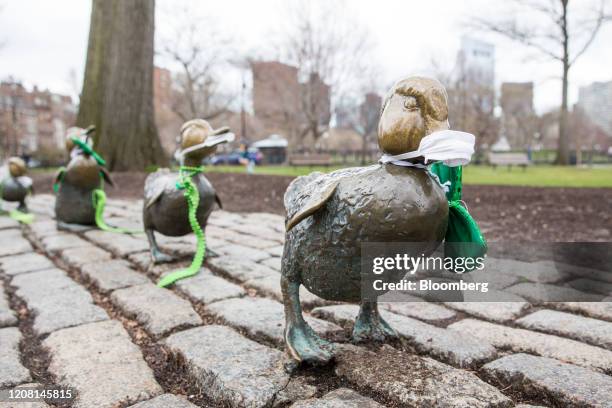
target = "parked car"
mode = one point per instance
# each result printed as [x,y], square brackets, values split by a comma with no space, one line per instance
[233,158]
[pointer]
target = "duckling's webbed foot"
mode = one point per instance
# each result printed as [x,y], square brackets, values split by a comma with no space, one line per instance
[156,254]
[370,325]
[23,207]
[303,344]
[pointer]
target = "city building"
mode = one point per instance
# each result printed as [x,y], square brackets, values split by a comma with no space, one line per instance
[168,123]
[33,122]
[286,106]
[595,100]
[518,115]
[472,93]
[476,61]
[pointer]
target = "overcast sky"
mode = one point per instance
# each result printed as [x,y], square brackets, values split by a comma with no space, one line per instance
[44,40]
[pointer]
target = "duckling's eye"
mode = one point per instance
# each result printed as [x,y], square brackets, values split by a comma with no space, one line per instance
[410,104]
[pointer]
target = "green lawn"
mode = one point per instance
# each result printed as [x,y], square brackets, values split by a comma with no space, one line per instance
[536,176]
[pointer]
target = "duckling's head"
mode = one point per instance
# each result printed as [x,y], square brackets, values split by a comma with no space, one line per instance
[414,108]
[199,139]
[17,167]
[76,132]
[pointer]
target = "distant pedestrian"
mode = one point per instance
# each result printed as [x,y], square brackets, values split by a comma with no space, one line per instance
[246,160]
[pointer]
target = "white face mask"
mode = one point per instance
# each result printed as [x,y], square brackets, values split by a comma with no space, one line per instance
[452,147]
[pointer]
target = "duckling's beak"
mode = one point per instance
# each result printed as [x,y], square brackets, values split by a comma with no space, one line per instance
[219,136]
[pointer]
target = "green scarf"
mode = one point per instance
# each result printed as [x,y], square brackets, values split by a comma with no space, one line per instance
[193,200]
[463,236]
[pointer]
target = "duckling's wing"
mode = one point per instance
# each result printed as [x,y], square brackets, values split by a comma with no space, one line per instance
[218,201]
[59,176]
[307,196]
[155,185]
[106,176]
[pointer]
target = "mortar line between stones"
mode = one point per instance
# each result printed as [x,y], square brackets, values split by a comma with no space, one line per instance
[151,350]
[32,354]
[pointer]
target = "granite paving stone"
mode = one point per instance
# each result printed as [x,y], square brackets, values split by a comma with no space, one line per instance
[419,309]
[458,349]
[528,406]
[233,369]
[276,251]
[251,241]
[7,316]
[7,222]
[45,228]
[260,316]
[546,345]
[270,286]
[543,293]
[12,372]
[255,229]
[30,262]
[208,288]
[599,310]
[240,269]
[56,243]
[244,252]
[495,280]
[11,244]
[591,286]
[57,301]
[274,263]
[119,244]
[165,401]
[340,398]
[77,257]
[415,381]
[221,233]
[102,364]
[539,271]
[112,274]
[566,384]
[267,218]
[495,311]
[159,310]
[585,329]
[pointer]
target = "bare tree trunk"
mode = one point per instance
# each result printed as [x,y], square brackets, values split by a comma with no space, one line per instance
[364,149]
[117,92]
[563,146]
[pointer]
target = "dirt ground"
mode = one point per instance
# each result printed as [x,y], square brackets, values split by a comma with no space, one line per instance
[504,213]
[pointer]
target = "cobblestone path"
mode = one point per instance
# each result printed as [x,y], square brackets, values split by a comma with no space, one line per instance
[82,311]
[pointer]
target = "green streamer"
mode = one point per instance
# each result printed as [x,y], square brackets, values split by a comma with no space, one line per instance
[193,200]
[99,202]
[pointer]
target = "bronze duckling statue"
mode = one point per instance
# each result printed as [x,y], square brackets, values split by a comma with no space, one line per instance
[165,208]
[75,184]
[330,215]
[17,186]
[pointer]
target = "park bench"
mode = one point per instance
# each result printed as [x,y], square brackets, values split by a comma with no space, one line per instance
[316,159]
[509,159]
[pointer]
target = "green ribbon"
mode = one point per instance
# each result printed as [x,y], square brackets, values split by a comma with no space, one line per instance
[99,202]
[193,200]
[88,150]
[463,236]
